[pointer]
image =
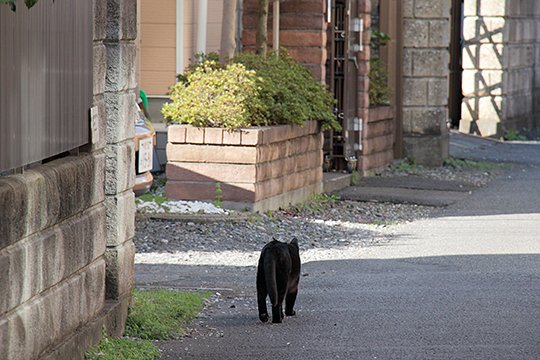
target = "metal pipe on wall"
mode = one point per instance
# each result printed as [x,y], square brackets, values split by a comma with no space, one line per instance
[275,24]
[202,21]
[179,36]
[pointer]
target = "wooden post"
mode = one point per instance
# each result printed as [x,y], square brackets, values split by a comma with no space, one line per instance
[262,33]
[275,13]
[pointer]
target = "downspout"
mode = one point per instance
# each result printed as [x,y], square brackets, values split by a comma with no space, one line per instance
[275,24]
[179,36]
[202,21]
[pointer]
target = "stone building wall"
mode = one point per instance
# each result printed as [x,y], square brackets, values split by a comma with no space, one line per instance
[426,38]
[501,62]
[66,250]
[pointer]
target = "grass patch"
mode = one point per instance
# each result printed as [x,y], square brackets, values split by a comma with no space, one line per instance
[148,197]
[474,165]
[120,349]
[162,314]
[514,135]
[317,202]
[153,315]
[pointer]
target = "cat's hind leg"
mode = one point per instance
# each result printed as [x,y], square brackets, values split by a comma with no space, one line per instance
[289,303]
[261,294]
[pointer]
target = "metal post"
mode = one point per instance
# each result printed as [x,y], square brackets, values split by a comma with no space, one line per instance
[276,26]
[202,21]
[179,36]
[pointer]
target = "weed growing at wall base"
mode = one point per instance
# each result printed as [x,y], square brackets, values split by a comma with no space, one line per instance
[154,315]
[115,349]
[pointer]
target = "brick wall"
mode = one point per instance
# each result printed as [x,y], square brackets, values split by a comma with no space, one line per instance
[66,250]
[378,139]
[426,39]
[303,31]
[260,168]
[501,61]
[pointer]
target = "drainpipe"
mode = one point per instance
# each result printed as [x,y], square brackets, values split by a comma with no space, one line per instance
[202,21]
[276,26]
[179,36]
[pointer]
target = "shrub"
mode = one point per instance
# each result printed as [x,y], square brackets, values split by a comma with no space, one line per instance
[216,97]
[252,90]
[289,93]
[379,92]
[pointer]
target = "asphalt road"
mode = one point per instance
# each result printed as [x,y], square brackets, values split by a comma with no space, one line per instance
[463,285]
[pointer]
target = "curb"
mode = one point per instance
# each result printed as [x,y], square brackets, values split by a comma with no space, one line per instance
[195,218]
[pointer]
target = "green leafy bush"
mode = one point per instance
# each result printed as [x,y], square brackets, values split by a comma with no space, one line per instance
[216,97]
[379,91]
[289,93]
[252,90]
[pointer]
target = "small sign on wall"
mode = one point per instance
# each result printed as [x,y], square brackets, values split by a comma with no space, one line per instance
[145,154]
[94,124]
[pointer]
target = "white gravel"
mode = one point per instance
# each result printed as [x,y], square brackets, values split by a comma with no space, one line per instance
[178,207]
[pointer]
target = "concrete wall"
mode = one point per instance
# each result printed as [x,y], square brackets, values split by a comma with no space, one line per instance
[501,61]
[426,38]
[66,250]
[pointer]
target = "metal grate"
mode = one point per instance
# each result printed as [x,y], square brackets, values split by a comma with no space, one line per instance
[46,80]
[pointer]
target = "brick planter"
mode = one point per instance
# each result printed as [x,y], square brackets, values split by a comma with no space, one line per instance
[259,168]
[378,139]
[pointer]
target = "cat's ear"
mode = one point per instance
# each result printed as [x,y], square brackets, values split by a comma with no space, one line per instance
[294,241]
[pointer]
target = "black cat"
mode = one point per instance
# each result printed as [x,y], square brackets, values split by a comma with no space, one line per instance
[278,274]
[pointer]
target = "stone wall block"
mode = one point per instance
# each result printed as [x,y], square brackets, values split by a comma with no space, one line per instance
[426,121]
[408,62]
[470,59]
[491,57]
[60,311]
[408,8]
[120,270]
[415,147]
[121,19]
[55,191]
[432,63]
[121,71]
[493,8]
[432,8]
[100,19]
[121,114]
[100,67]
[46,258]
[416,33]
[438,92]
[14,205]
[415,91]
[99,103]
[439,33]
[120,167]
[120,217]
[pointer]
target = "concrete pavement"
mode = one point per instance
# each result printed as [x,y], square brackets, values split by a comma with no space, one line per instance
[463,285]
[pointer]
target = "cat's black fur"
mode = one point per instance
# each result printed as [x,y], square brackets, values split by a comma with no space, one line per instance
[278,274]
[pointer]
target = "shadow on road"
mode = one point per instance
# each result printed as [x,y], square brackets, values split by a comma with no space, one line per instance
[454,307]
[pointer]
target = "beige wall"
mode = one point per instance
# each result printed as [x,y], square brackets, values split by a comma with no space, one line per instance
[158,40]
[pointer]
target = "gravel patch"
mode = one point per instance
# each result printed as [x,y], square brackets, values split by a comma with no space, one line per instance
[325,227]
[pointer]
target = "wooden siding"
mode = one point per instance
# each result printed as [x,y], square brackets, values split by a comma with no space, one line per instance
[158,45]
[46,80]
[158,40]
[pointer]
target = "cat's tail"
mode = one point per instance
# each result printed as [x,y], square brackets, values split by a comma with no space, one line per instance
[270,279]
